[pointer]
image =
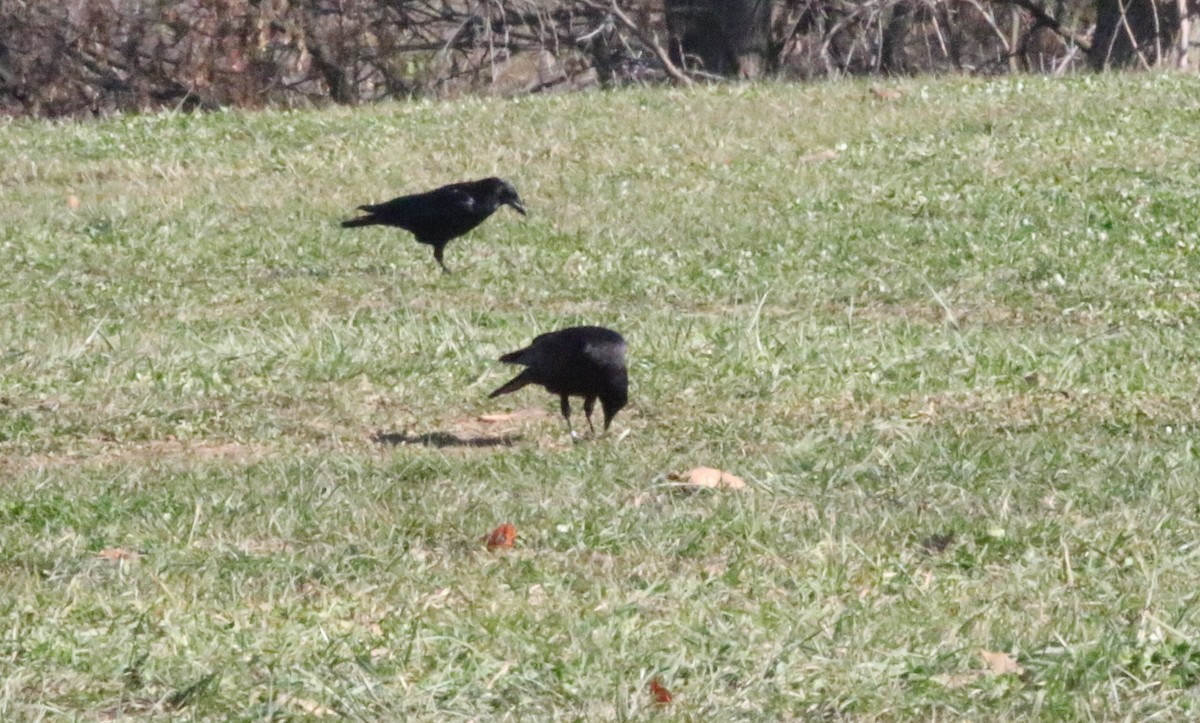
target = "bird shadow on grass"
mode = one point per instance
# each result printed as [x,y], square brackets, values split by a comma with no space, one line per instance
[442,440]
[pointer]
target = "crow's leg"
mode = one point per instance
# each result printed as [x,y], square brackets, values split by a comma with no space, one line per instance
[437,254]
[565,405]
[589,403]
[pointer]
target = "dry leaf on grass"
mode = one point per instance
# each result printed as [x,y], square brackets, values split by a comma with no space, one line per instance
[502,536]
[997,664]
[707,478]
[1001,663]
[662,696]
[117,554]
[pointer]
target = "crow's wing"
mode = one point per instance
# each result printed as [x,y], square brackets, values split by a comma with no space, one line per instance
[585,360]
[568,348]
[425,206]
[436,213]
[605,352]
[558,354]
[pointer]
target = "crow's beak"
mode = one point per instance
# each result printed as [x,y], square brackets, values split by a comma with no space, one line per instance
[517,205]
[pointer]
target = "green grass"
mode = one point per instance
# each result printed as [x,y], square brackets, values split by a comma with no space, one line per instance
[956,363]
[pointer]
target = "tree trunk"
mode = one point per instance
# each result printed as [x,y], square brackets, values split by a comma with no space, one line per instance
[726,37]
[1133,33]
[895,34]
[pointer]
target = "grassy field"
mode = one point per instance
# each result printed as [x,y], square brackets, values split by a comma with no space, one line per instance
[949,340]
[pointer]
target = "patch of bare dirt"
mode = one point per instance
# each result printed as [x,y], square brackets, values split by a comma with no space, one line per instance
[486,431]
[101,453]
[442,440]
[520,415]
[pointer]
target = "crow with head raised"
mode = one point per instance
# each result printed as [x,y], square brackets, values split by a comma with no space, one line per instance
[581,361]
[439,216]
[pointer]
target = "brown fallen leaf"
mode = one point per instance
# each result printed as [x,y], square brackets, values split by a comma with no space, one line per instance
[72,201]
[662,696]
[707,478]
[502,536]
[1001,663]
[117,554]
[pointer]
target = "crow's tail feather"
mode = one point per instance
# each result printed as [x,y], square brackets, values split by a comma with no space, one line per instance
[360,221]
[514,357]
[513,385]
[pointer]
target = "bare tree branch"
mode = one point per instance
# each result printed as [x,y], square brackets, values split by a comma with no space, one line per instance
[90,56]
[648,40]
[1046,20]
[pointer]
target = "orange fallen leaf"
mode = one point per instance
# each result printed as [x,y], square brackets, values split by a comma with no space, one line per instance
[116,554]
[502,536]
[1001,663]
[708,478]
[662,696]
[72,201]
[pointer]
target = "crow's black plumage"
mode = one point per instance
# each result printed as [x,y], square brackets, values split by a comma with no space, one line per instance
[581,361]
[437,217]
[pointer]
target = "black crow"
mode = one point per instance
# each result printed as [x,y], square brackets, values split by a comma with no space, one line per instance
[582,361]
[437,217]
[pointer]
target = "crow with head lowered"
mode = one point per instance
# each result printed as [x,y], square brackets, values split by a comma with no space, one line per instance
[581,361]
[439,216]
